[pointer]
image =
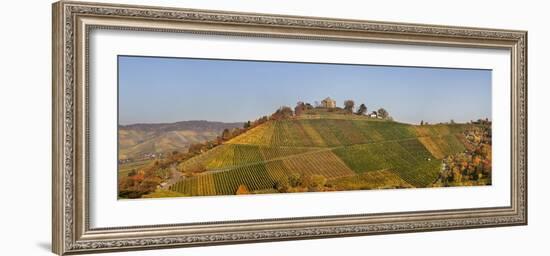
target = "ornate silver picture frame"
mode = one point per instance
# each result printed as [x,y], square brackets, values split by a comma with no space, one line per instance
[72,24]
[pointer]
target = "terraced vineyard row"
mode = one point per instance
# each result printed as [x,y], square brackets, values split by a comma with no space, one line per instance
[386,130]
[246,154]
[337,132]
[265,175]
[440,147]
[254,177]
[408,159]
[439,129]
[313,134]
[259,135]
[345,131]
[199,185]
[274,150]
[289,133]
[269,153]
[231,155]
[418,172]
[322,163]
[323,130]
[370,180]
[277,170]
[416,148]
[217,157]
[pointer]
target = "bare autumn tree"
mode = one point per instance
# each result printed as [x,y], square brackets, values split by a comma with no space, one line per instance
[196,148]
[242,190]
[300,107]
[349,105]
[286,111]
[226,134]
[362,109]
[283,112]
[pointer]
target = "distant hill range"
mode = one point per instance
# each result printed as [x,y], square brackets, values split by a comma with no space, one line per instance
[138,141]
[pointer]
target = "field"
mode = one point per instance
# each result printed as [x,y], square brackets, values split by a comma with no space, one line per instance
[349,153]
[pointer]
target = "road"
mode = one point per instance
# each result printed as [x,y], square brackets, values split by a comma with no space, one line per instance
[175,176]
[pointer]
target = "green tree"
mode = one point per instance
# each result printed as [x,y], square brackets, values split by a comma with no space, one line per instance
[349,105]
[294,180]
[362,109]
[383,113]
[317,183]
[282,186]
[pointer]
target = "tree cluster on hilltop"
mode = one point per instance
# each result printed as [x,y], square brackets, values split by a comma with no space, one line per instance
[301,108]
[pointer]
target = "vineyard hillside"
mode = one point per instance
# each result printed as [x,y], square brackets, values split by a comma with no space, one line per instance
[353,152]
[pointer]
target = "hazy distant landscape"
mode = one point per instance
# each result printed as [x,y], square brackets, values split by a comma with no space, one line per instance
[147,141]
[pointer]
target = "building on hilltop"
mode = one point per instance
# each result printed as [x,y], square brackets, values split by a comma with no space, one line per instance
[328,103]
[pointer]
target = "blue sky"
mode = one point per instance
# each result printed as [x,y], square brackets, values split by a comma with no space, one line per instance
[161,90]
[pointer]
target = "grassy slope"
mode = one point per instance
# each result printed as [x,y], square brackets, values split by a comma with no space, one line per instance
[333,147]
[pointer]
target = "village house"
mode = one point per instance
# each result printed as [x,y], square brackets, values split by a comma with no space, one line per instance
[373,114]
[328,103]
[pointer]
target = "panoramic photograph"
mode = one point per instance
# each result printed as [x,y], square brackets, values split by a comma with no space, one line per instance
[211,127]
